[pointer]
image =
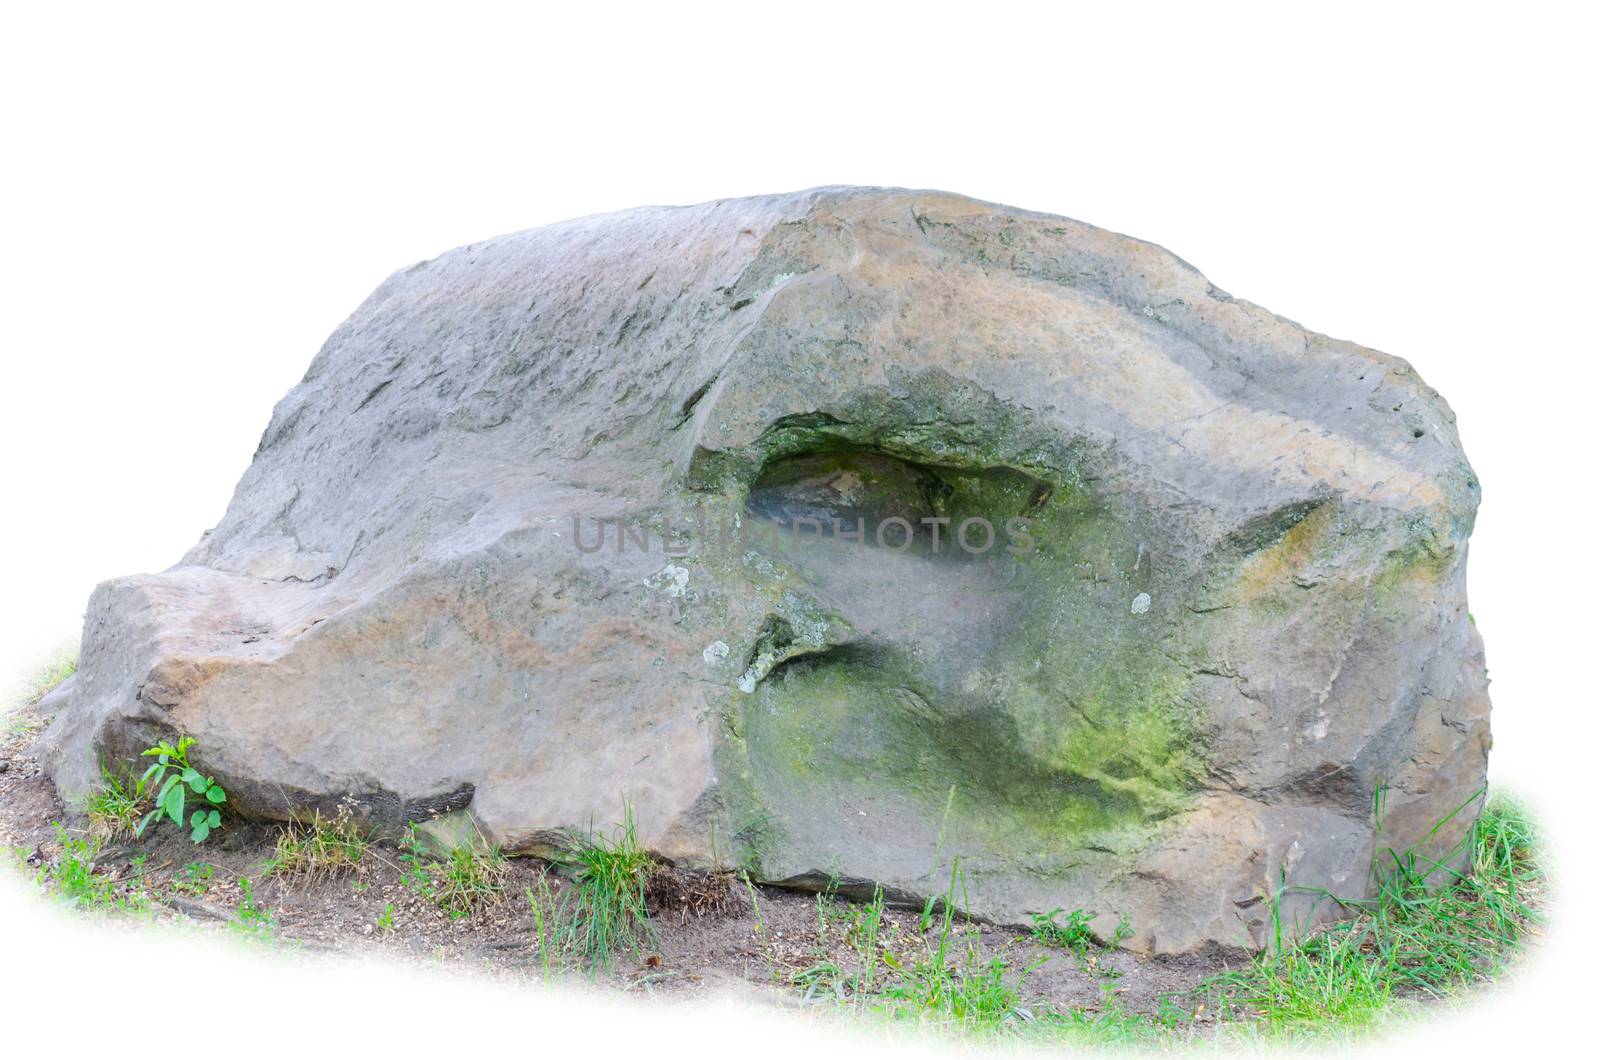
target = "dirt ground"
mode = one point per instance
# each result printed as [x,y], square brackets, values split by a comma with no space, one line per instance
[756,949]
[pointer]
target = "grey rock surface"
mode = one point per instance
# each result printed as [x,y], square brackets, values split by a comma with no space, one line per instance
[1222,609]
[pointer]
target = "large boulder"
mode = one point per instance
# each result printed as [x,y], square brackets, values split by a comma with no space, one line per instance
[937,529]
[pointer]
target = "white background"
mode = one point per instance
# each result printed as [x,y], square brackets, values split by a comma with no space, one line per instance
[193,197]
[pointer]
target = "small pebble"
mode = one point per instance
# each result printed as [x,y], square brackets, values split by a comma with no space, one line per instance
[4,765]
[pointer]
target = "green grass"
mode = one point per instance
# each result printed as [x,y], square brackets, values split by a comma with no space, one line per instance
[115,809]
[604,911]
[608,911]
[467,878]
[1429,932]
[548,914]
[252,920]
[73,876]
[470,878]
[194,879]
[1408,943]
[1074,934]
[72,873]
[944,982]
[318,849]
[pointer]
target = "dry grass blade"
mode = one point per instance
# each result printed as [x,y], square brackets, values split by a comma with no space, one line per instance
[688,894]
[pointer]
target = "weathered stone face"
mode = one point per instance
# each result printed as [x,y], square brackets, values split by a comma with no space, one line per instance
[1197,591]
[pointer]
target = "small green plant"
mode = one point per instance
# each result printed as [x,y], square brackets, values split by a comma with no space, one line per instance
[172,778]
[471,877]
[609,910]
[73,873]
[550,917]
[415,861]
[1122,933]
[827,908]
[1072,935]
[386,918]
[114,810]
[760,927]
[953,983]
[468,877]
[253,920]
[319,848]
[865,926]
[929,915]
[860,929]
[946,982]
[194,879]
[971,993]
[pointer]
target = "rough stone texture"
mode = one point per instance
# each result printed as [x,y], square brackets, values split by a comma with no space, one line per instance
[1244,610]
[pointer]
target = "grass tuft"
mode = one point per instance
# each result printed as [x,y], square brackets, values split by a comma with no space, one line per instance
[114,810]
[1418,938]
[946,982]
[615,883]
[319,849]
[609,909]
[468,878]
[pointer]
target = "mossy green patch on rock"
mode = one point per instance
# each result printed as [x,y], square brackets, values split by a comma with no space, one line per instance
[833,724]
[1014,704]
